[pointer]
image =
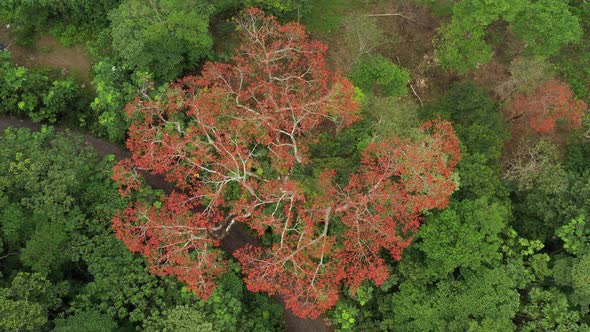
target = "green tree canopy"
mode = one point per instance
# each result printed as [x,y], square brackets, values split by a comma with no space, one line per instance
[162,37]
[545,26]
[484,301]
[376,74]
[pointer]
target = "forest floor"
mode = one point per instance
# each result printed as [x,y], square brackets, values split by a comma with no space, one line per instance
[47,52]
[409,29]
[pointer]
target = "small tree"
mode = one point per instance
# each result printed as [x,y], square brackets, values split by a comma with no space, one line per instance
[362,37]
[530,72]
[535,165]
[375,73]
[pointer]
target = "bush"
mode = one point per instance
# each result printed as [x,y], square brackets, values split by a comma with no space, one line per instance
[378,75]
[115,87]
[34,93]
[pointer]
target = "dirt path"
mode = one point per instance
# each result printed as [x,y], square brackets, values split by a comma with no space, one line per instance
[237,237]
[47,52]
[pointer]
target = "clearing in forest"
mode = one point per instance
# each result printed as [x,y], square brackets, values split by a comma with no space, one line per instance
[47,52]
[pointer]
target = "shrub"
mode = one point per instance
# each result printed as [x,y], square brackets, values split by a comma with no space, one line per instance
[379,75]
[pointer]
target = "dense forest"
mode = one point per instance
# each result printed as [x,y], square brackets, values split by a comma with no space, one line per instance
[298,165]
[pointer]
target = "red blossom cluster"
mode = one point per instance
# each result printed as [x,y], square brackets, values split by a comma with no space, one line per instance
[549,104]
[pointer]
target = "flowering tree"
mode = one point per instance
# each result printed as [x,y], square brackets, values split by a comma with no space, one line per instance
[230,141]
[549,104]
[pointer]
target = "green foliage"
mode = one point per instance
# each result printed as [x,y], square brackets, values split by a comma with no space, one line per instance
[549,310]
[229,308]
[575,68]
[224,305]
[71,21]
[379,75]
[20,315]
[344,316]
[180,318]
[481,130]
[44,174]
[50,177]
[461,49]
[482,301]
[339,151]
[85,321]
[552,209]
[34,93]
[477,120]
[477,178]
[25,305]
[162,37]
[56,205]
[571,273]
[466,235]
[16,226]
[59,97]
[461,45]
[122,287]
[545,26]
[523,259]
[286,9]
[578,156]
[43,251]
[580,281]
[553,205]
[115,87]
[572,61]
[575,235]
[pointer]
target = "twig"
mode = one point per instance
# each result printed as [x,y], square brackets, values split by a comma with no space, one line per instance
[417,96]
[9,254]
[230,225]
[392,14]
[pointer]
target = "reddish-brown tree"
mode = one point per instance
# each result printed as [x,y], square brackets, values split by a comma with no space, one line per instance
[229,141]
[549,104]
